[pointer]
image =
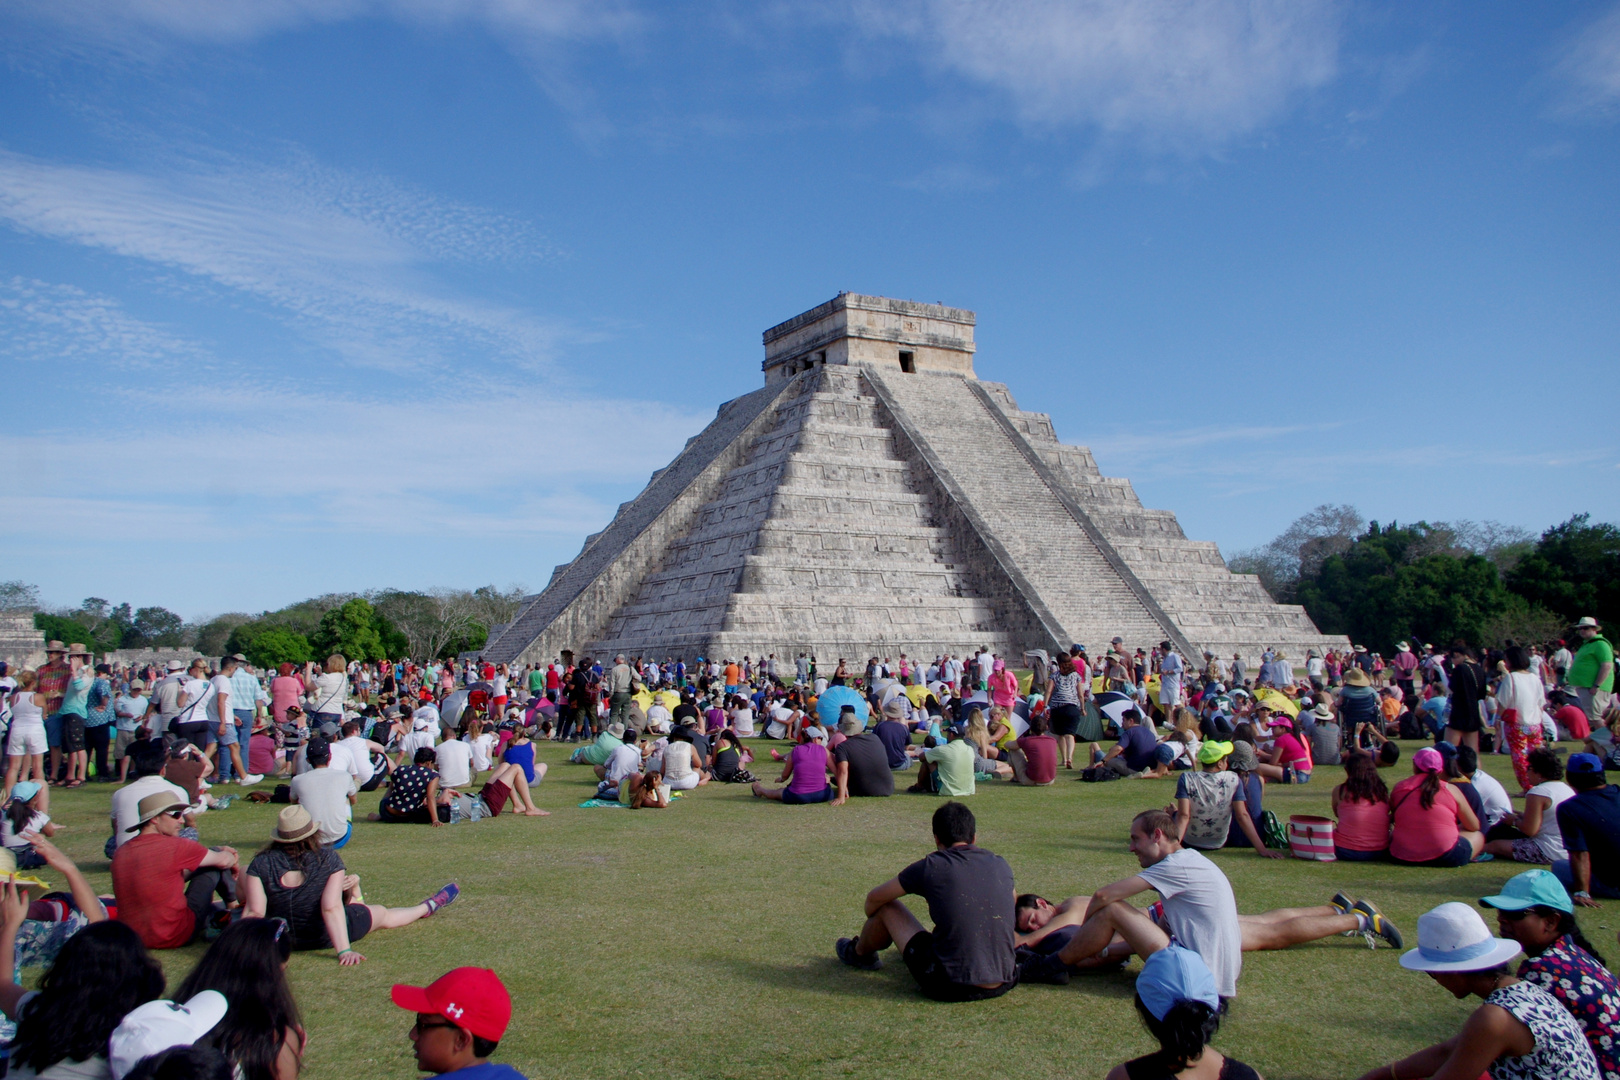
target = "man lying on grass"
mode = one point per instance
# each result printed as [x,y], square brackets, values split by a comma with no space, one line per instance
[1197,908]
[968,956]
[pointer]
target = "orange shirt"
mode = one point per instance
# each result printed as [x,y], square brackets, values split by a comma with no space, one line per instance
[733,675]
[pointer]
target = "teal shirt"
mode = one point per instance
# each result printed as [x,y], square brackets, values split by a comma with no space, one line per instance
[77,693]
[954,761]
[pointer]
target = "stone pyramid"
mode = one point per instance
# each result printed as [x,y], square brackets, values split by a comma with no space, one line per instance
[874,498]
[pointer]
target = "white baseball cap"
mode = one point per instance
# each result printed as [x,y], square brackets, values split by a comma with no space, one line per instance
[158,1025]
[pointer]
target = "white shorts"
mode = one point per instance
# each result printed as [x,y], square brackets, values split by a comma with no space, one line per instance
[25,741]
[682,783]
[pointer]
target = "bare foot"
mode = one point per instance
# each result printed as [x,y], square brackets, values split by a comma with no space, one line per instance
[537,812]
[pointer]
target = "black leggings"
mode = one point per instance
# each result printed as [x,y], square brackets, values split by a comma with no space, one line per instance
[419,816]
[97,740]
[200,892]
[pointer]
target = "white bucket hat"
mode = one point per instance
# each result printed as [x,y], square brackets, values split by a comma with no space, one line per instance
[1453,937]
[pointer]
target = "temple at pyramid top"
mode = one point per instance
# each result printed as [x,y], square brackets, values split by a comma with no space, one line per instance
[899,335]
[875,497]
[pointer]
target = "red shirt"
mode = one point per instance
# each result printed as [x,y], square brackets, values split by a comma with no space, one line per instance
[1041,750]
[147,880]
[52,682]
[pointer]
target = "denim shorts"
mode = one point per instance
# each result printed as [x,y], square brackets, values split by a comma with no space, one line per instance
[793,798]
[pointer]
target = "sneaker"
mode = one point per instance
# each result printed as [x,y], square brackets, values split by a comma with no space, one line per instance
[1044,968]
[251,778]
[1378,924]
[1342,903]
[444,896]
[845,948]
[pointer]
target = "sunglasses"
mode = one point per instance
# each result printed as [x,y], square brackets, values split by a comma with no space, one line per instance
[176,814]
[420,1026]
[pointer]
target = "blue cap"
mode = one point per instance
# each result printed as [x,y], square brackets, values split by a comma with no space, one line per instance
[24,790]
[1583,765]
[1533,888]
[1173,974]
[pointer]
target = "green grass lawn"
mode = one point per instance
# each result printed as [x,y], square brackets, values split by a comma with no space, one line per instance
[697,941]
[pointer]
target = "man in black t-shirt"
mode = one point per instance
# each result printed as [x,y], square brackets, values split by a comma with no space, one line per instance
[1590,824]
[860,764]
[968,956]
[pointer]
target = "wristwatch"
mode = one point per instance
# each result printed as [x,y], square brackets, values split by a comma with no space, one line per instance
[1581,894]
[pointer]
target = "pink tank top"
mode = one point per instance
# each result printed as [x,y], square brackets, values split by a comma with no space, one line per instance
[1362,826]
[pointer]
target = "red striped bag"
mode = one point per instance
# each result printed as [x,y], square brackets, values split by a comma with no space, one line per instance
[1311,837]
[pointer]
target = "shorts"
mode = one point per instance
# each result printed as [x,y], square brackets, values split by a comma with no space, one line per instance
[793,798]
[1529,850]
[683,783]
[53,729]
[122,742]
[1348,855]
[1464,720]
[72,734]
[348,834]
[1292,775]
[26,741]
[1065,719]
[1460,855]
[495,795]
[358,918]
[931,978]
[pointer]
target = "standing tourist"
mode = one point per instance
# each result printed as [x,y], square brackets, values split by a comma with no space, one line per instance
[1591,673]
[327,692]
[1520,699]
[1464,722]
[99,713]
[51,681]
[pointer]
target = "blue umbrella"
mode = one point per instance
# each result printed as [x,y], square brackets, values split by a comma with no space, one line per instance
[832,702]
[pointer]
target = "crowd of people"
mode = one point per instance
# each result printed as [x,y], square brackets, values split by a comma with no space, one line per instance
[454,742]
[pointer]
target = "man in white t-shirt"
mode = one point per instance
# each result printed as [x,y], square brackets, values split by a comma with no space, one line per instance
[1170,670]
[1197,908]
[455,764]
[147,760]
[423,733]
[358,750]
[327,792]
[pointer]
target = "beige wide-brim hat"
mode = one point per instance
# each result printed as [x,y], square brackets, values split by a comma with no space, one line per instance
[293,824]
[155,805]
[55,646]
[77,649]
[1357,677]
[1588,621]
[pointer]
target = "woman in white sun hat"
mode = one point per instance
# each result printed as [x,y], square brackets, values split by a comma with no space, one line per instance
[1520,1033]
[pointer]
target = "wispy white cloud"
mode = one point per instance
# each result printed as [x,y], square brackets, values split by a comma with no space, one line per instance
[45,323]
[348,260]
[1176,74]
[1588,68]
[253,459]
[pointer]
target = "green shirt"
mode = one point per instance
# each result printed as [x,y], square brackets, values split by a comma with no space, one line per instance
[1593,655]
[537,681]
[955,763]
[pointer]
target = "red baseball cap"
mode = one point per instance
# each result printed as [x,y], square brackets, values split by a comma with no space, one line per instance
[469,997]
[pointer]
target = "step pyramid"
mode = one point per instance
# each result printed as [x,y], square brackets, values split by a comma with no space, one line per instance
[876,498]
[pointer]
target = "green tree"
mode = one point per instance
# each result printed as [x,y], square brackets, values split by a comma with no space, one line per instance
[213,635]
[1393,584]
[277,645]
[158,627]
[350,630]
[65,629]
[1573,571]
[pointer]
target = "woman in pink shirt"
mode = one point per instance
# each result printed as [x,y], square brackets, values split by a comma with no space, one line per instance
[1361,804]
[285,689]
[1433,827]
[1289,757]
[1003,686]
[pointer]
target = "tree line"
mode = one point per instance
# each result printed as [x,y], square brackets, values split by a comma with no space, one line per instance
[1482,582]
[386,623]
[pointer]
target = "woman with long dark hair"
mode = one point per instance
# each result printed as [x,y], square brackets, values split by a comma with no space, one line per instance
[101,973]
[1534,909]
[1361,805]
[262,1034]
[1178,1004]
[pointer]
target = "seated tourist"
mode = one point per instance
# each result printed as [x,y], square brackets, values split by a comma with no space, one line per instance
[683,769]
[644,791]
[165,884]
[1493,797]
[520,752]
[596,753]
[895,736]
[1361,805]
[1288,761]
[728,764]
[366,760]
[805,772]
[1540,840]
[1197,908]
[100,974]
[1209,802]
[1432,826]
[460,1018]
[946,769]
[968,956]
[413,795]
[1178,1003]
[1521,1031]
[1590,826]
[261,1034]
[860,764]
[299,879]
[1137,751]
[1034,756]
[26,812]
[1534,910]
[327,793]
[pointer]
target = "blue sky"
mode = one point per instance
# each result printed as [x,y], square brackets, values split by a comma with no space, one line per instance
[307,295]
